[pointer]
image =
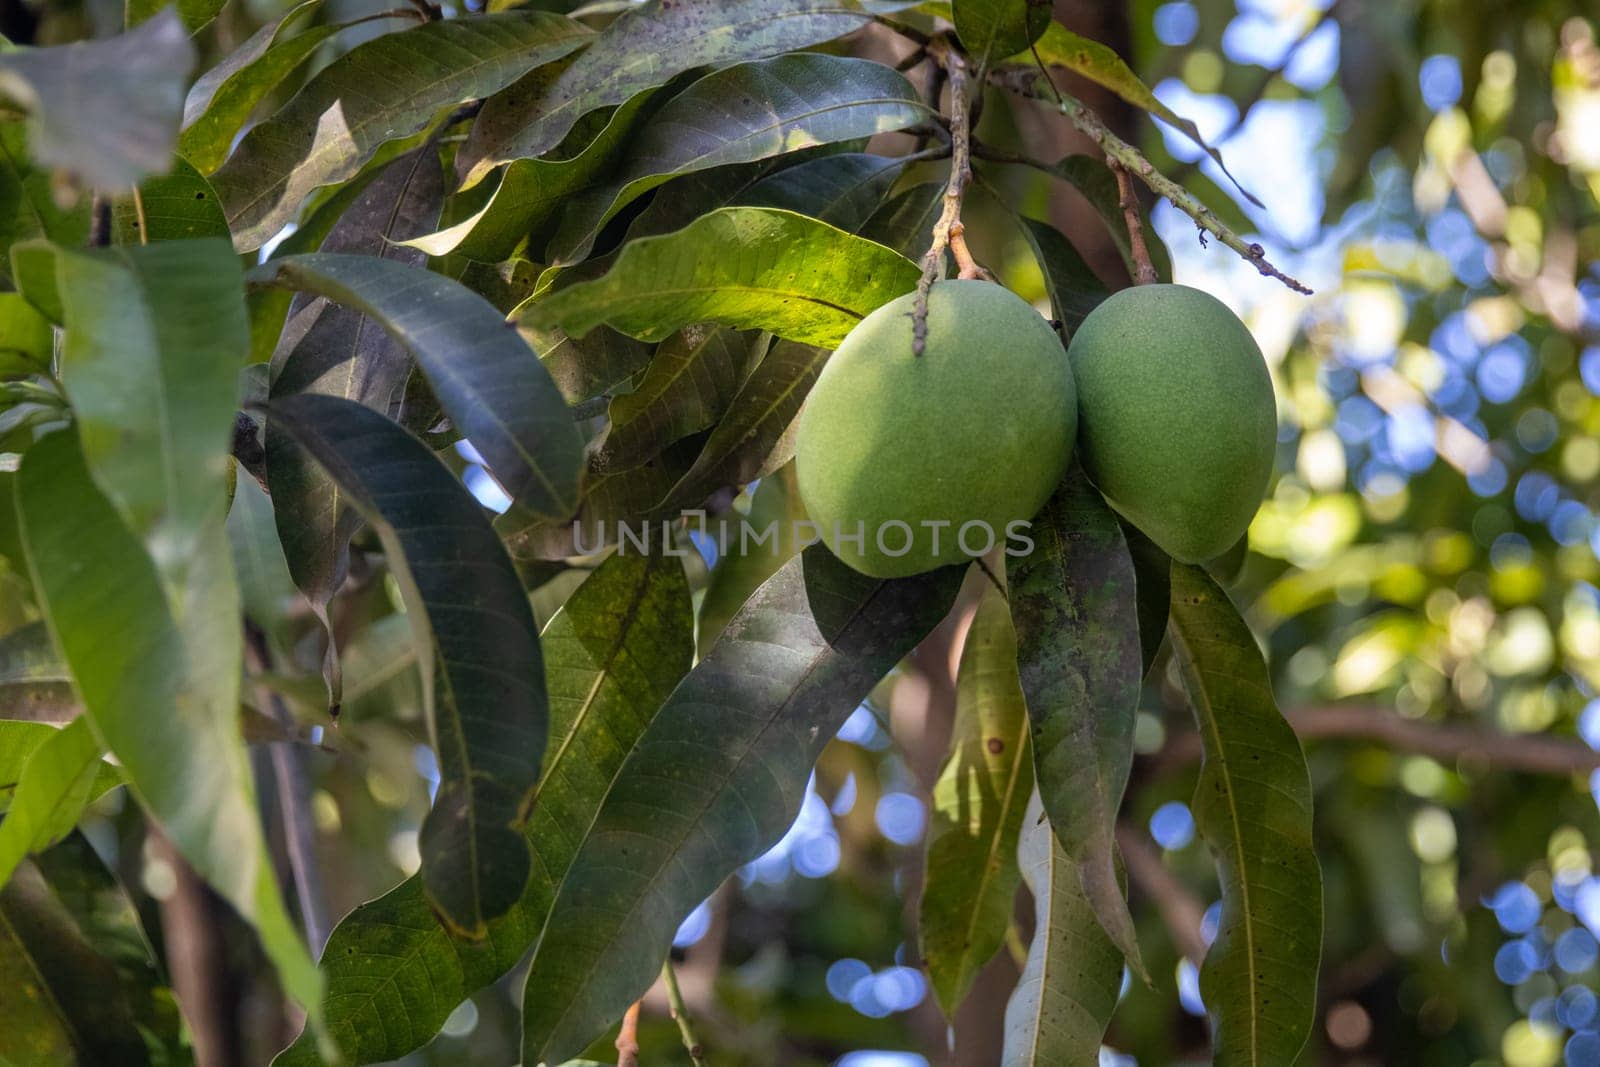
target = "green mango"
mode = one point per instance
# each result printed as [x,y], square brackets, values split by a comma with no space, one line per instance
[936,458]
[1177,422]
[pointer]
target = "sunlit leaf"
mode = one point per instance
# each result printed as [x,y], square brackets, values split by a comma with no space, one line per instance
[1073,600]
[343,115]
[1253,807]
[52,791]
[485,676]
[714,781]
[972,875]
[746,267]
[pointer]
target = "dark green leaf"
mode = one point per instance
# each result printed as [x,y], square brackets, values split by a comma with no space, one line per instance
[1253,807]
[633,496]
[354,106]
[484,676]
[1074,289]
[106,111]
[585,366]
[28,207]
[750,550]
[648,46]
[905,223]
[1090,177]
[746,267]
[613,654]
[972,875]
[177,205]
[1073,599]
[487,380]
[842,190]
[1153,570]
[131,650]
[714,781]
[1068,990]
[991,30]
[742,114]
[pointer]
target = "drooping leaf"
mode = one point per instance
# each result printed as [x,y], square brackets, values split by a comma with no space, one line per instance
[80,979]
[972,875]
[691,380]
[131,650]
[1252,805]
[1100,63]
[487,380]
[334,350]
[714,781]
[647,46]
[106,111]
[354,106]
[1074,289]
[742,114]
[176,206]
[221,99]
[28,207]
[1073,600]
[753,439]
[842,190]
[991,30]
[613,654]
[746,267]
[484,675]
[52,791]
[1068,990]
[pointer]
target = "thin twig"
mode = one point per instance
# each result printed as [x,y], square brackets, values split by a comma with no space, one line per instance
[1027,82]
[680,1014]
[628,1038]
[1144,272]
[948,232]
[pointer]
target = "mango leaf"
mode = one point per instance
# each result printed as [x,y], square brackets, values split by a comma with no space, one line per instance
[222,99]
[978,801]
[1252,805]
[266,590]
[1073,288]
[753,438]
[689,385]
[196,14]
[81,981]
[131,650]
[613,653]
[714,781]
[485,677]
[55,785]
[27,344]
[635,496]
[746,267]
[1090,177]
[106,111]
[905,223]
[584,366]
[338,351]
[750,550]
[155,338]
[1072,598]
[842,190]
[1152,570]
[1100,63]
[1069,987]
[533,192]
[498,395]
[177,206]
[355,105]
[647,46]
[28,207]
[991,30]
[742,114]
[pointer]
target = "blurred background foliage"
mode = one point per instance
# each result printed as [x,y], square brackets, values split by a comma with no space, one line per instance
[1424,576]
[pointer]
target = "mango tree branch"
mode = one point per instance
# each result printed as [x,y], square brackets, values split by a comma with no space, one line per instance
[948,232]
[1027,81]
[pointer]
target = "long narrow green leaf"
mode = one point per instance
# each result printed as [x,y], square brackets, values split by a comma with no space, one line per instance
[746,267]
[107,111]
[714,781]
[1068,990]
[487,380]
[842,190]
[1073,288]
[1252,804]
[1073,601]
[754,547]
[159,680]
[742,114]
[972,874]
[612,655]
[52,791]
[356,105]
[485,675]
[645,47]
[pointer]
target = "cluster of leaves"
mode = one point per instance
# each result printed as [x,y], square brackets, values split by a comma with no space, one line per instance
[672,206]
